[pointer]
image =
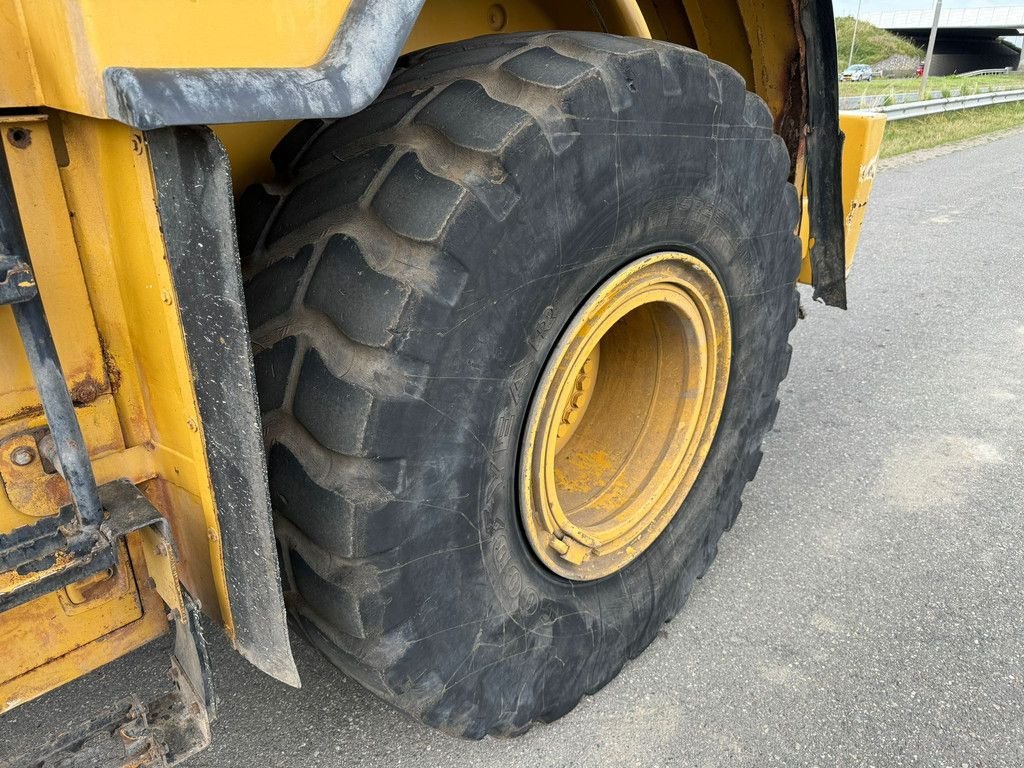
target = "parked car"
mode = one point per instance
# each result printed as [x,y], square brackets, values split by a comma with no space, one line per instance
[857,72]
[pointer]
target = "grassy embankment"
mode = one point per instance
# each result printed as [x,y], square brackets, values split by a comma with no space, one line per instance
[873,44]
[934,130]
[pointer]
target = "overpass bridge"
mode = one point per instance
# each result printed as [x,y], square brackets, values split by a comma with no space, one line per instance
[968,38]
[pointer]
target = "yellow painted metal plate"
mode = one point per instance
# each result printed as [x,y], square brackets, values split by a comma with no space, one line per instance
[51,640]
[44,213]
[109,186]
[61,625]
[33,491]
[864,133]
[68,44]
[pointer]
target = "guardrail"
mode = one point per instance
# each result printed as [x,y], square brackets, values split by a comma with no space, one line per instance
[975,73]
[876,100]
[952,104]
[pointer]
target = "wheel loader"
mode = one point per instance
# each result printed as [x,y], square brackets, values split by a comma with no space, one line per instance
[441,333]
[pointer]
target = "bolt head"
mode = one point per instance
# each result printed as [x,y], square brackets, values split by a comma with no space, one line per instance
[85,392]
[22,457]
[558,545]
[497,17]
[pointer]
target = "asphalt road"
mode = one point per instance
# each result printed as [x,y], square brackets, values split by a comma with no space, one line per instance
[867,607]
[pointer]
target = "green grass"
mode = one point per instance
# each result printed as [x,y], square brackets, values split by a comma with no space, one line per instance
[873,44]
[935,130]
[967,85]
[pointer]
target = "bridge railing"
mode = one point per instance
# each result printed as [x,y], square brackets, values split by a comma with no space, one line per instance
[996,16]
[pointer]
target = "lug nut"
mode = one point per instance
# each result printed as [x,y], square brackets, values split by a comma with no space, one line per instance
[22,457]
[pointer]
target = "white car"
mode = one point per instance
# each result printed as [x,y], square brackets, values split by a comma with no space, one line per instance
[857,72]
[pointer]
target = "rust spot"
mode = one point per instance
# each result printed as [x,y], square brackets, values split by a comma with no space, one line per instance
[23,413]
[97,588]
[85,391]
[19,137]
[110,366]
[790,122]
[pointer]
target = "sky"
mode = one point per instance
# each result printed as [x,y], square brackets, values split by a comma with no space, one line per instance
[849,7]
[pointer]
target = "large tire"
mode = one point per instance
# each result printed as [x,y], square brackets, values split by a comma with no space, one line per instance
[406,281]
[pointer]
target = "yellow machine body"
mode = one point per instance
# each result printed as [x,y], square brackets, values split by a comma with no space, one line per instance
[86,192]
[98,256]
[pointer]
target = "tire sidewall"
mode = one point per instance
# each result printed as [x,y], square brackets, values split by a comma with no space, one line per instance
[577,223]
[521,585]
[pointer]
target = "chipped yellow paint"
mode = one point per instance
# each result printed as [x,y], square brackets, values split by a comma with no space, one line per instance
[864,133]
[160,563]
[87,201]
[57,271]
[594,498]
[77,638]
[34,492]
[109,186]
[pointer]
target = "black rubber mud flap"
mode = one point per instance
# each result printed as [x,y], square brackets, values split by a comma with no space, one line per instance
[406,280]
[194,198]
[824,155]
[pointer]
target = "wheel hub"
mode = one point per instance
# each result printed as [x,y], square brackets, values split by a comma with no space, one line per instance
[624,415]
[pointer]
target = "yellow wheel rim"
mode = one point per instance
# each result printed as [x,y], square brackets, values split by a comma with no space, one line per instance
[624,415]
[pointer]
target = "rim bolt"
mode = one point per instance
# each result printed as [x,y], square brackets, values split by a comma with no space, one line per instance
[558,545]
[570,550]
[22,457]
